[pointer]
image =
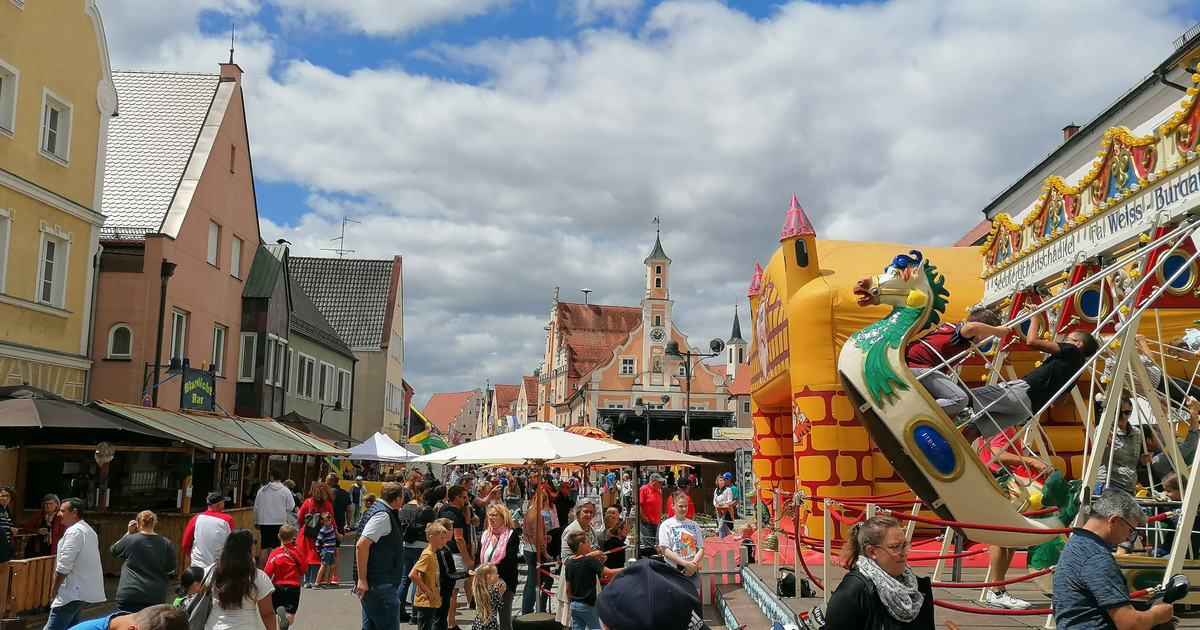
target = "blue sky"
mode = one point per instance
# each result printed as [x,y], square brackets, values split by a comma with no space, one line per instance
[508,147]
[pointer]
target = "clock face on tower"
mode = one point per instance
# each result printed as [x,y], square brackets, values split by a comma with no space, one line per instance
[657,335]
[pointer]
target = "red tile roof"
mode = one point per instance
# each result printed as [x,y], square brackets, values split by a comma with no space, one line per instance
[531,387]
[976,235]
[443,408]
[506,395]
[718,369]
[698,447]
[591,331]
[740,385]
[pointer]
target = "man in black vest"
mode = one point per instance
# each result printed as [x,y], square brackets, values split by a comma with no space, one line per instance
[380,555]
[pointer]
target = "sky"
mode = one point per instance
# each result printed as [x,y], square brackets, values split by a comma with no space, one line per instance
[508,147]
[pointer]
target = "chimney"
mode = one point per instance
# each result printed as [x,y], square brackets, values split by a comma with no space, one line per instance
[1069,131]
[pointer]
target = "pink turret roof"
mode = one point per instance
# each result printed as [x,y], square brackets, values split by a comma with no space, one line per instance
[796,223]
[755,281]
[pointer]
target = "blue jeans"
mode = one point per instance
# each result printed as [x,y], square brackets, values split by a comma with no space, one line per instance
[584,617]
[381,608]
[411,555]
[65,616]
[530,597]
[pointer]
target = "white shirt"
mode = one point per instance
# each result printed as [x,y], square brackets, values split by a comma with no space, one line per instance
[79,559]
[274,505]
[722,495]
[681,536]
[378,526]
[246,617]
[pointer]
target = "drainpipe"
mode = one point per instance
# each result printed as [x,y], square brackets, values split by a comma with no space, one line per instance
[165,272]
[350,410]
[91,342]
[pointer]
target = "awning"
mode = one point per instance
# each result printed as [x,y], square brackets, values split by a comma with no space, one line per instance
[704,446]
[312,427]
[219,433]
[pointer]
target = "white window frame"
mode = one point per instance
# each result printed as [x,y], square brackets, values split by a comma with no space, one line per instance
[269,359]
[346,380]
[628,366]
[246,358]
[235,257]
[10,84]
[218,353]
[305,371]
[214,243]
[397,349]
[62,135]
[112,333]
[681,372]
[280,364]
[745,406]
[178,316]
[329,374]
[61,264]
[6,221]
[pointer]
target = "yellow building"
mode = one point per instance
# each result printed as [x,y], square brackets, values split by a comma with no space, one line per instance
[56,96]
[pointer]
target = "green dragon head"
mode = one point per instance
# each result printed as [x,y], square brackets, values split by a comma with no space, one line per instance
[917,295]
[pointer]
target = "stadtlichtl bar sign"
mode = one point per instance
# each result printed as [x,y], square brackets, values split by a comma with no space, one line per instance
[197,390]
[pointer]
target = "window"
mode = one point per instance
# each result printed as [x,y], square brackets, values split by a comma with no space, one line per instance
[9,77]
[214,240]
[327,383]
[801,253]
[246,357]
[289,383]
[178,335]
[746,407]
[52,267]
[397,348]
[395,398]
[658,269]
[232,159]
[120,342]
[218,355]
[56,127]
[658,320]
[280,345]
[235,258]
[345,387]
[6,217]
[269,360]
[698,407]
[741,356]
[628,366]
[682,371]
[616,405]
[658,283]
[305,373]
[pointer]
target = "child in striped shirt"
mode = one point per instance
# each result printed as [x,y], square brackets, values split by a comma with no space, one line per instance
[326,546]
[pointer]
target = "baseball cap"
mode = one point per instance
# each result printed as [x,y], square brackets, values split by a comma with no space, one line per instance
[657,477]
[650,595]
[728,475]
[215,498]
[358,478]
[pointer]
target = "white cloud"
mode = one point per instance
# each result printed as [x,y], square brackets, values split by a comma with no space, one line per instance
[385,17]
[589,11]
[892,121]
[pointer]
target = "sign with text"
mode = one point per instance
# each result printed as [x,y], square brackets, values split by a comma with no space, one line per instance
[1121,223]
[733,433]
[196,392]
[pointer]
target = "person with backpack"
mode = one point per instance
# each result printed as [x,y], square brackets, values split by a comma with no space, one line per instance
[319,501]
[285,569]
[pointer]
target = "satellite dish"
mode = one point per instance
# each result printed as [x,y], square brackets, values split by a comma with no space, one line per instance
[104,453]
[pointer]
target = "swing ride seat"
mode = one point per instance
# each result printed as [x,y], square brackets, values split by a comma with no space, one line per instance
[906,423]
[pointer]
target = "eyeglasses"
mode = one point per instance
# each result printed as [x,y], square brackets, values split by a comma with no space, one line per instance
[1132,530]
[1125,413]
[897,548]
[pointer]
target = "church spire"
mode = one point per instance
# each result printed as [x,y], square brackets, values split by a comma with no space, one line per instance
[657,254]
[736,336]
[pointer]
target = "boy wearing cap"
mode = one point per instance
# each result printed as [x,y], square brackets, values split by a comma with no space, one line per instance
[580,572]
[681,542]
[206,533]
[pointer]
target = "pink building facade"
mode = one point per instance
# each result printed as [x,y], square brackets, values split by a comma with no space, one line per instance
[179,188]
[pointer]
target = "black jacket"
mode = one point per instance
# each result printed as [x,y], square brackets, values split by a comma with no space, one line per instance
[856,606]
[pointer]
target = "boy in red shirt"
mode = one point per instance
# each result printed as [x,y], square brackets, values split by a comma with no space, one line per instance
[284,567]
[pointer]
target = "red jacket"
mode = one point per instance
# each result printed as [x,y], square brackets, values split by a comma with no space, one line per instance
[285,565]
[56,533]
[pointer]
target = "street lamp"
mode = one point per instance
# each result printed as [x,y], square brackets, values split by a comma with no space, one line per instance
[165,272]
[674,355]
[336,406]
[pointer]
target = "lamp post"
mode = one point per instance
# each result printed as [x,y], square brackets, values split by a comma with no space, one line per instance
[675,355]
[165,272]
[336,406]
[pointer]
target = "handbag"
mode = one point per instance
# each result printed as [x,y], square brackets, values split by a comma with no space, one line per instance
[199,609]
[312,524]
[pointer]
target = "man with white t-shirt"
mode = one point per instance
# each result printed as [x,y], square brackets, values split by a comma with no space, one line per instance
[680,540]
[78,577]
[380,555]
[206,533]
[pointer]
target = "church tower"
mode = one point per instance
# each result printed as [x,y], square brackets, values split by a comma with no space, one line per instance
[799,241]
[656,307]
[735,349]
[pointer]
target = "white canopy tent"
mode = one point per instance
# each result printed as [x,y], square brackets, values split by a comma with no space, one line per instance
[381,448]
[534,443]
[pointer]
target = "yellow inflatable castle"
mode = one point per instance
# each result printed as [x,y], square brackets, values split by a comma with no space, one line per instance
[803,309]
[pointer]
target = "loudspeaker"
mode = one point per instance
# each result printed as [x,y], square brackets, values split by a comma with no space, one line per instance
[536,621]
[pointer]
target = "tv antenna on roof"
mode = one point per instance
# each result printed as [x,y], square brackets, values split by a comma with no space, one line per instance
[340,250]
[585,294]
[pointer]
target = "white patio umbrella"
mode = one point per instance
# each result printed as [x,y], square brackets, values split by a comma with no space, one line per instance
[381,448]
[536,442]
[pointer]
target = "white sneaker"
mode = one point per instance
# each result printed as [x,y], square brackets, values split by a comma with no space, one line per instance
[1005,600]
